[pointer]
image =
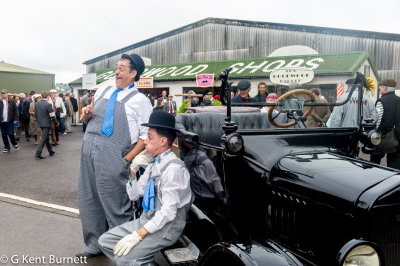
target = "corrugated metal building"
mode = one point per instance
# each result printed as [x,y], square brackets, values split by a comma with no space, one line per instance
[17,79]
[215,39]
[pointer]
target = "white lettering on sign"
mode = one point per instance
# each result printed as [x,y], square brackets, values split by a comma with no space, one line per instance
[153,72]
[238,68]
[181,70]
[295,63]
[250,66]
[197,70]
[234,68]
[166,72]
[279,64]
[312,64]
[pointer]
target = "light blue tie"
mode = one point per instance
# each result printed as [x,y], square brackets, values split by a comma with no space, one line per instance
[148,196]
[108,122]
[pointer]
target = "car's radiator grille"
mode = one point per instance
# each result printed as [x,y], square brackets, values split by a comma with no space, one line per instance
[385,231]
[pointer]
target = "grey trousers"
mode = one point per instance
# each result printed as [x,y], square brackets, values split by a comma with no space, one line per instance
[44,141]
[142,253]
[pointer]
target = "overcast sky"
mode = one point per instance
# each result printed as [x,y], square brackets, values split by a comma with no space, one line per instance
[57,36]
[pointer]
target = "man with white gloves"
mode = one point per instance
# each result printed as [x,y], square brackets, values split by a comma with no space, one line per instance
[165,187]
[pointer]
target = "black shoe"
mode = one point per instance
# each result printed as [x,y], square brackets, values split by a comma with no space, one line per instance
[87,254]
[52,153]
[40,157]
[16,147]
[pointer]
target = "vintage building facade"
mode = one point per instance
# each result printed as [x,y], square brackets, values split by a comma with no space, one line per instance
[214,39]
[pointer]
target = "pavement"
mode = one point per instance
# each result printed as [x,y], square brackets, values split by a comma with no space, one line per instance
[39,221]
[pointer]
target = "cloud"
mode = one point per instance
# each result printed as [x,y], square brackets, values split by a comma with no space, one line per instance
[57,36]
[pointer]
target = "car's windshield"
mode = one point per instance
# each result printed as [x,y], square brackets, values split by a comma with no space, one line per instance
[321,102]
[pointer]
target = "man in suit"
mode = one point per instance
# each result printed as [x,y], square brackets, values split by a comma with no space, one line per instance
[161,101]
[8,114]
[44,113]
[170,105]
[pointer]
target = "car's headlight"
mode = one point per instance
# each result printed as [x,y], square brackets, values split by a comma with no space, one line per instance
[359,253]
[375,137]
[234,143]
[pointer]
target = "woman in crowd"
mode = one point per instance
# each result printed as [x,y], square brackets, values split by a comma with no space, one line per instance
[271,98]
[34,128]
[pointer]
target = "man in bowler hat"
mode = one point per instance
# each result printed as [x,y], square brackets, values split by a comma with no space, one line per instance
[165,187]
[388,110]
[114,136]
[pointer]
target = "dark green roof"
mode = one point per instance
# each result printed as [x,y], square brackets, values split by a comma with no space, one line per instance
[322,64]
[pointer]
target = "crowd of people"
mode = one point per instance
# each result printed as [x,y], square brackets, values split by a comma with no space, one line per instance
[21,113]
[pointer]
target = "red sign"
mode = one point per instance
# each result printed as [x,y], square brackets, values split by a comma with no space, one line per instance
[205,80]
[144,83]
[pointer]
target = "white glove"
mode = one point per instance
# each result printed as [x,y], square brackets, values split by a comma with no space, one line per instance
[126,244]
[142,159]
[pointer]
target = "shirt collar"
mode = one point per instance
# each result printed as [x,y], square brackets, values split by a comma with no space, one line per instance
[132,86]
[159,157]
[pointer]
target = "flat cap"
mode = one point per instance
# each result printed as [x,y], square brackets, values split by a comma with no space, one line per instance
[4,91]
[244,85]
[388,83]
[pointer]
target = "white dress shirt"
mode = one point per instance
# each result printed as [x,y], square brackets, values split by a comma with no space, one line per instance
[138,109]
[174,186]
[59,103]
[5,110]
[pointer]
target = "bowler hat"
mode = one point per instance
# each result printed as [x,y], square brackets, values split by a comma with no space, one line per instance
[388,83]
[4,91]
[137,63]
[244,85]
[161,120]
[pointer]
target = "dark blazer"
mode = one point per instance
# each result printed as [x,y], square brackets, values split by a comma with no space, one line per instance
[12,111]
[43,109]
[24,110]
[238,99]
[74,103]
[391,113]
[166,107]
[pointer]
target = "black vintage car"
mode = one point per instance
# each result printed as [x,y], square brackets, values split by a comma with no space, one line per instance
[272,195]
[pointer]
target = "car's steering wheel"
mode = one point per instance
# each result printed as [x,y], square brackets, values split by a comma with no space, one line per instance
[284,96]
